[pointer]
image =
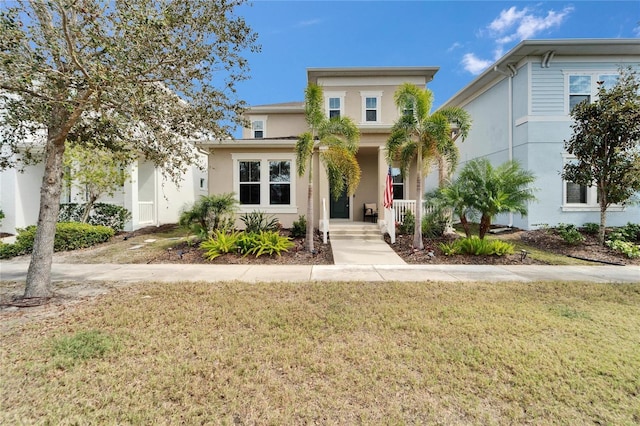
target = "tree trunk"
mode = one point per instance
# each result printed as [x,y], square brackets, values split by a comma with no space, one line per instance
[417,233]
[39,272]
[603,224]
[485,224]
[465,225]
[310,246]
[87,208]
[443,172]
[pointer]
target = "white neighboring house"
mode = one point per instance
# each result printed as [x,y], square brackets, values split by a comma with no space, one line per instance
[150,198]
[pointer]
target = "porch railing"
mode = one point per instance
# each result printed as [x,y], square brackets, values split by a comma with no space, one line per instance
[401,207]
[145,212]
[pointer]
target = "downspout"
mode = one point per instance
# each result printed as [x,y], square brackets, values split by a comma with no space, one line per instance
[509,74]
[510,118]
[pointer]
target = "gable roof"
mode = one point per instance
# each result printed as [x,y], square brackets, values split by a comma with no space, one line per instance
[545,51]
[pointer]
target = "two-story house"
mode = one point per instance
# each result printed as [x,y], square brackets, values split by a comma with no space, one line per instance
[521,107]
[260,166]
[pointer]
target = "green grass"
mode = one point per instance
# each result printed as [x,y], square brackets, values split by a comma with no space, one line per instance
[338,353]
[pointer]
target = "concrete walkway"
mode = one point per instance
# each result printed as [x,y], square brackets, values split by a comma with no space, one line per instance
[359,243]
[17,271]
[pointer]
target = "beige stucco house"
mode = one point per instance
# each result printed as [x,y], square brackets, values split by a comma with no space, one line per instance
[260,167]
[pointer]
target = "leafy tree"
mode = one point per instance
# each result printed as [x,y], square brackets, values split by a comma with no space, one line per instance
[156,73]
[424,137]
[489,191]
[340,136]
[95,171]
[606,144]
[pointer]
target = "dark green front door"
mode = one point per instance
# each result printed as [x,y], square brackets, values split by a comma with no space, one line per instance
[339,209]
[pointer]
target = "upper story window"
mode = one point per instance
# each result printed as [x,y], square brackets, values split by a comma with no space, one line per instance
[371,102]
[371,109]
[334,104]
[583,86]
[257,129]
[334,107]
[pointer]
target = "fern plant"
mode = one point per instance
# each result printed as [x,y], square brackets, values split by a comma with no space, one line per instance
[477,247]
[220,243]
[270,242]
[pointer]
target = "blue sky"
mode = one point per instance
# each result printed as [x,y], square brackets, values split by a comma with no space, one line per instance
[460,37]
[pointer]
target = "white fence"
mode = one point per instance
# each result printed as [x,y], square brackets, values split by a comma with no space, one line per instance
[401,207]
[145,212]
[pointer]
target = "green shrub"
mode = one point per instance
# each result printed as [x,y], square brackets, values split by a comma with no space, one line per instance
[220,243]
[477,247]
[209,213]
[1,215]
[569,234]
[69,236]
[449,249]
[591,228]
[102,214]
[271,242]
[408,224]
[299,228]
[10,250]
[258,221]
[265,242]
[629,232]
[627,248]
[433,225]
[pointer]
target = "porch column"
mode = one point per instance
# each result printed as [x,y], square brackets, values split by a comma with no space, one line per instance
[130,195]
[322,185]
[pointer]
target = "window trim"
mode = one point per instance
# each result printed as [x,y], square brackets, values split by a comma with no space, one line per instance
[264,158]
[328,95]
[594,74]
[378,96]
[592,204]
[261,119]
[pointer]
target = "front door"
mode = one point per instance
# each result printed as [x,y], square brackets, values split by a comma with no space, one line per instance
[339,209]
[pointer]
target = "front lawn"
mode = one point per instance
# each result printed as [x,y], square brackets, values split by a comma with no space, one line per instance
[338,353]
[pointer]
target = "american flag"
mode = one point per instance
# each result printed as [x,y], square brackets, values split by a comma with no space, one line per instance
[388,191]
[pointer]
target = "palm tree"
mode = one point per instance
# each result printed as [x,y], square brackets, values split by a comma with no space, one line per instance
[493,190]
[341,137]
[425,138]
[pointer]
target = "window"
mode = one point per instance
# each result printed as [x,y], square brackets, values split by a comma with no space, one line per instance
[264,182]
[334,107]
[334,104]
[258,129]
[203,183]
[576,194]
[584,86]
[371,102]
[249,182]
[398,184]
[371,109]
[279,182]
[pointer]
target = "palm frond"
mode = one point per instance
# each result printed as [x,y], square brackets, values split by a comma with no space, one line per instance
[304,151]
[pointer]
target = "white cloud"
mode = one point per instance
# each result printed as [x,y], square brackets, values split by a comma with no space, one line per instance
[308,23]
[507,18]
[473,64]
[454,46]
[514,25]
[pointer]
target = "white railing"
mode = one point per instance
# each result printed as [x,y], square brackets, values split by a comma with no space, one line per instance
[401,207]
[145,212]
[324,221]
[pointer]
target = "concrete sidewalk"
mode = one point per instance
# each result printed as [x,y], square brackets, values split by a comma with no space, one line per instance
[16,271]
